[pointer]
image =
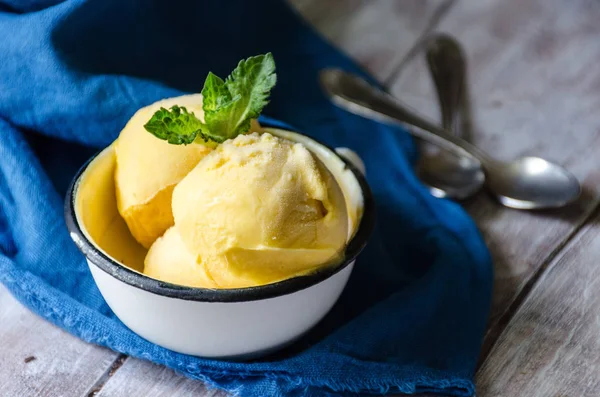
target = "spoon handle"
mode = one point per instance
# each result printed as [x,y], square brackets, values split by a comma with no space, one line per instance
[357,96]
[447,66]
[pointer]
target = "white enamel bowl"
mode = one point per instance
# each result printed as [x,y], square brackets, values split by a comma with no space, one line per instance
[217,323]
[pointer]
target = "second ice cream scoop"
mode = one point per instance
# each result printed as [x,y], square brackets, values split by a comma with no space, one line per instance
[256,210]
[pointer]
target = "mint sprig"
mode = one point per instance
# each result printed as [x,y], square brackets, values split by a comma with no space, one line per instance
[176,126]
[229,105]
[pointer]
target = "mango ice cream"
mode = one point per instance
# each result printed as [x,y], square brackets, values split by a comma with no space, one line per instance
[256,210]
[218,204]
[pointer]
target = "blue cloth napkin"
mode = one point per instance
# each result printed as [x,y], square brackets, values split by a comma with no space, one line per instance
[71,74]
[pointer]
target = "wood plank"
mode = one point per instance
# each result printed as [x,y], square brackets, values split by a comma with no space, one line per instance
[39,359]
[535,89]
[377,33]
[142,378]
[552,345]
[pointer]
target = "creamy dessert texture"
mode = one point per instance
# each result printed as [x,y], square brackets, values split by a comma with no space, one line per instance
[219,203]
[256,210]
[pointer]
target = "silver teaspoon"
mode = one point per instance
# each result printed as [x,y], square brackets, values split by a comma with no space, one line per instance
[444,173]
[525,183]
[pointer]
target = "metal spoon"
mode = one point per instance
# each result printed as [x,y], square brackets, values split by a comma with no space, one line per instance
[446,174]
[525,183]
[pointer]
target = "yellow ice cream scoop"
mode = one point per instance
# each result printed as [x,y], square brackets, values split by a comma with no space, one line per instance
[169,260]
[256,210]
[148,169]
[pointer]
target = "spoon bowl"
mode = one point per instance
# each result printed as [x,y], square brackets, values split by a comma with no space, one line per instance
[450,176]
[533,183]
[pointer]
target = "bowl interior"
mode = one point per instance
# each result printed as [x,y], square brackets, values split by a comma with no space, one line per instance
[96,206]
[96,211]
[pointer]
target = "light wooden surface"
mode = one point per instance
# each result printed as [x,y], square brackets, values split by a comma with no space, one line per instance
[551,347]
[142,378]
[39,359]
[535,89]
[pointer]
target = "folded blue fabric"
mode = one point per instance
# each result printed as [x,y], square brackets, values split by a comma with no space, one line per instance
[413,314]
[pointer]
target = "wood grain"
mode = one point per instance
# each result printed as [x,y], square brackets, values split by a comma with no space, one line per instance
[39,359]
[535,89]
[377,33]
[552,345]
[142,378]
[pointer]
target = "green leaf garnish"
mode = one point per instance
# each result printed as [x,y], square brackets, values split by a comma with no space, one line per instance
[229,105]
[177,125]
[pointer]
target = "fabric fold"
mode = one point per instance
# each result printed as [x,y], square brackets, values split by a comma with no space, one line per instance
[414,312]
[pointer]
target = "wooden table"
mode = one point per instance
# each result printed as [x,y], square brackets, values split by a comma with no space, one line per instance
[535,89]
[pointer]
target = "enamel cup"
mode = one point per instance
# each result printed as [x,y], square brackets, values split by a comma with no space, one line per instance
[216,323]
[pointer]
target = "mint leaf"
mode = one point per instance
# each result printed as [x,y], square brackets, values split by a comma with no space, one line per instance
[214,93]
[177,125]
[229,106]
[220,121]
[251,81]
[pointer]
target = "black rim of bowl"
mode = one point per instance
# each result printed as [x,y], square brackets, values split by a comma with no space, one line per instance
[285,287]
